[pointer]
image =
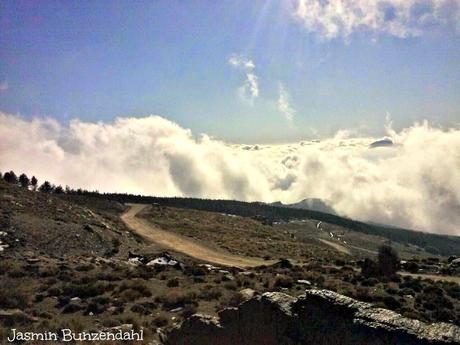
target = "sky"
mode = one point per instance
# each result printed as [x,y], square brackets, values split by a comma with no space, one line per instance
[249,100]
[314,66]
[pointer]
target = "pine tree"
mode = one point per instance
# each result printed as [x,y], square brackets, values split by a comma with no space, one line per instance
[34,182]
[46,187]
[24,180]
[59,190]
[11,177]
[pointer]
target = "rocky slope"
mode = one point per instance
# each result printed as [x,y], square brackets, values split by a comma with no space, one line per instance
[317,317]
[58,225]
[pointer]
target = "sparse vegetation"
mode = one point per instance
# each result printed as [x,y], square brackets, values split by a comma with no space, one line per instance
[77,274]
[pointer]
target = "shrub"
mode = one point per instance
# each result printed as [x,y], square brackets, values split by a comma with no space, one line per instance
[176,298]
[85,290]
[174,282]
[12,296]
[136,285]
[369,282]
[188,311]
[386,266]
[160,321]
[130,295]
[71,308]
[391,302]
[369,268]
[232,301]
[230,285]
[94,309]
[197,271]
[283,281]
[209,293]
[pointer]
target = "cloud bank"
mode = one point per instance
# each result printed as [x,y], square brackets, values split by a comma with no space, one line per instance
[413,183]
[399,18]
[249,91]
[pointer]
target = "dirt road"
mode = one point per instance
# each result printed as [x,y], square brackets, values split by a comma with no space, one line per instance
[336,246]
[183,244]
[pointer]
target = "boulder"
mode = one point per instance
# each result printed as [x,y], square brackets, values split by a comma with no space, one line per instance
[247,293]
[318,317]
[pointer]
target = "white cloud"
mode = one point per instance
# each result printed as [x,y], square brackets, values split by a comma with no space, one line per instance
[3,86]
[284,105]
[400,18]
[413,183]
[249,91]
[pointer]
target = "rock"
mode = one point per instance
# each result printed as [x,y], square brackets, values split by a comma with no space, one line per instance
[176,310]
[165,259]
[12,316]
[318,317]
[88,228]
[135,261]
[245,273]
[303,282]
[228,277]
[455,263]
[136,258]
[247,293]
[210,267]
[124,327]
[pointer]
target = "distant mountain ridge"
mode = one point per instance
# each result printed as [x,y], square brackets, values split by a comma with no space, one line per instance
[312,204]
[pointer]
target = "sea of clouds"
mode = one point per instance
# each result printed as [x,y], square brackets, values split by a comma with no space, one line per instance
[413,183]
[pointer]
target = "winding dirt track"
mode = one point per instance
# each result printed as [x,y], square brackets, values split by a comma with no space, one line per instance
[183,244]
[336,246]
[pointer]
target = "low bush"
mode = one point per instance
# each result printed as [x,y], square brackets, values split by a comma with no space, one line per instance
[176,298]
[209,293]
[174,282]
[283,281]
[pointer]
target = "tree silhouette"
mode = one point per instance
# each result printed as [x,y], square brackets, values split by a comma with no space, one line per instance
[45,187]
[34,182]
[24,180]
[10,177]
[388,260]
[59,190]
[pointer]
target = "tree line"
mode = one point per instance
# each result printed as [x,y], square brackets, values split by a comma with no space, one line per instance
[46,187]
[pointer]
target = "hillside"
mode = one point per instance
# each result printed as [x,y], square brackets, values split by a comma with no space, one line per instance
[70,260]
[58,225]
[432,243]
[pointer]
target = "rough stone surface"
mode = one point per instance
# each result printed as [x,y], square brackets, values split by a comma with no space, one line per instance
[318,317]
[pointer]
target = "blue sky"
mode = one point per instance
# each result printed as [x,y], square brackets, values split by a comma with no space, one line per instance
[98,60]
